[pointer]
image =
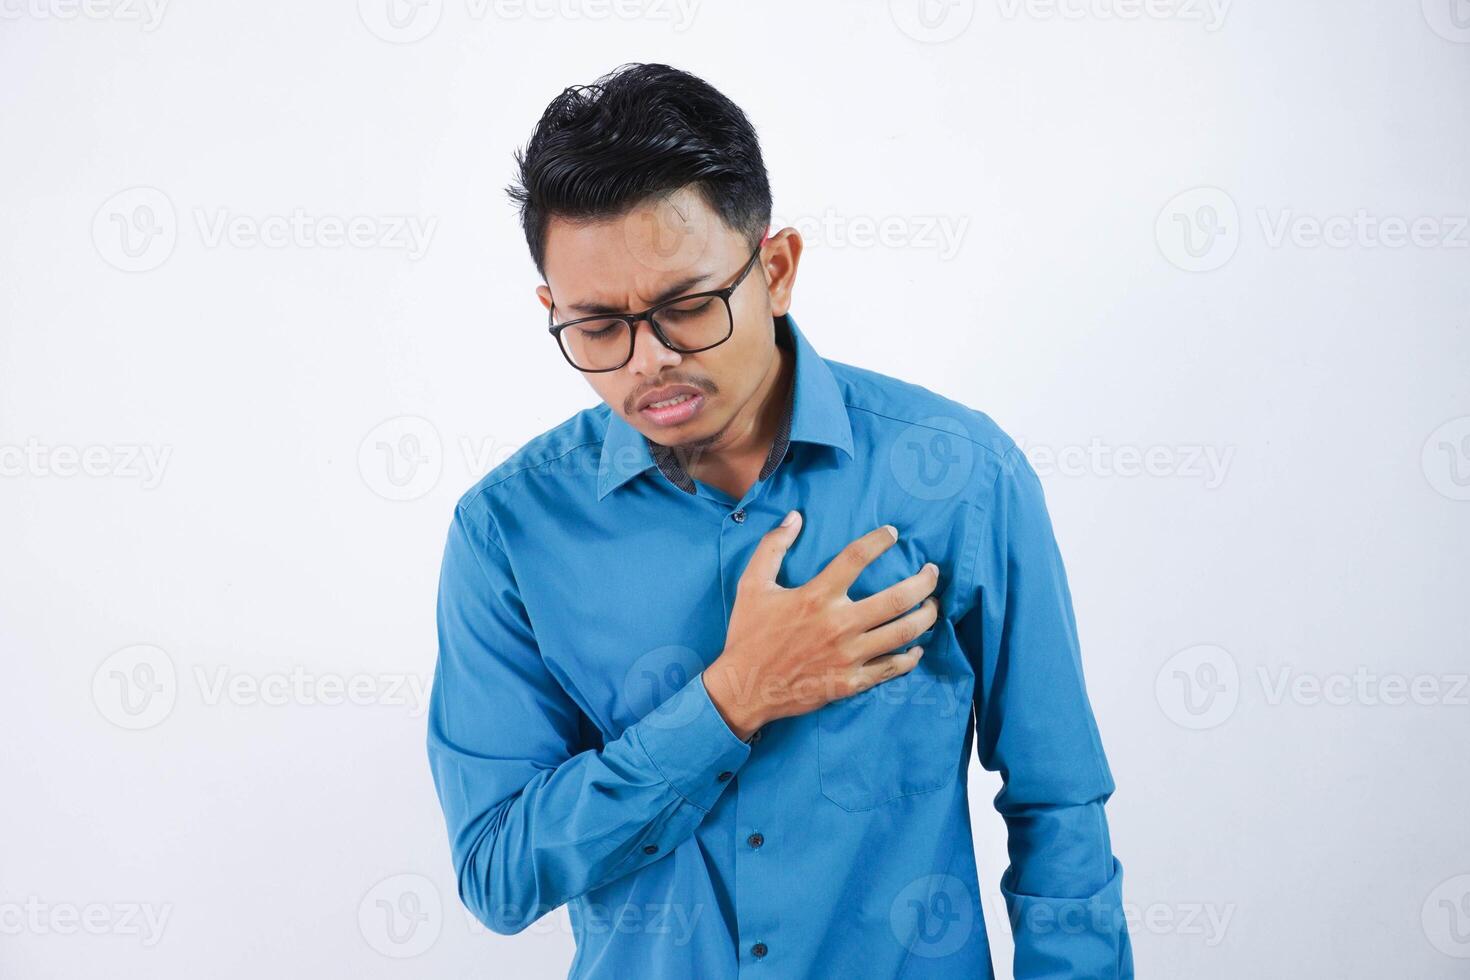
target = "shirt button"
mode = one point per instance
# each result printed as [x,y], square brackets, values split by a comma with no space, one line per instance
[755,840]
[722,777]
[759,949]
[738,517]
[650,849]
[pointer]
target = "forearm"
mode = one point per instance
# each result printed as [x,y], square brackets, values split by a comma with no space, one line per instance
[591,819]
[1063,888]
[1074,924]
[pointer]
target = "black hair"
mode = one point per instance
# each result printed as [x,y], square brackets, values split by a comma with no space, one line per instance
[639,131]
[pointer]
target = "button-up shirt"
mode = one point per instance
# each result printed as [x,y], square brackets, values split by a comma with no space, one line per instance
[588,580]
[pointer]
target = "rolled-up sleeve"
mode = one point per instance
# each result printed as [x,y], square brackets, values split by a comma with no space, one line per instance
[1035,726]
[536,815]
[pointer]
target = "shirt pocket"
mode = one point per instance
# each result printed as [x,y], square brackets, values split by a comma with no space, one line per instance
[906,735]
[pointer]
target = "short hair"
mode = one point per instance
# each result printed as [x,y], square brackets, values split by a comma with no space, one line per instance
[637,132]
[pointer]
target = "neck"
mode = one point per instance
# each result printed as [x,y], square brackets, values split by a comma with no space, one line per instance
[733,457]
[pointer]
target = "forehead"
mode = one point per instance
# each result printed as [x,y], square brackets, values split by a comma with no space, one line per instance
[638,254]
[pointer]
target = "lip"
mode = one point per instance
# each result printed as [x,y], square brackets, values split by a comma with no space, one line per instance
[659,394]
[673,416]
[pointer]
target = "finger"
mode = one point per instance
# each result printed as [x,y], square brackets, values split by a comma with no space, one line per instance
[839,574]
[766,562]
[897,599]
[887,667]
[900,632]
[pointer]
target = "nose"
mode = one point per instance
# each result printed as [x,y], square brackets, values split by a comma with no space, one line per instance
[650,357]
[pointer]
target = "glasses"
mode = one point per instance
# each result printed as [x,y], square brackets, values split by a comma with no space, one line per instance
[688,324]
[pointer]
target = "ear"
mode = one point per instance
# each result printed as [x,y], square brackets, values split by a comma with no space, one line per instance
[780,256]
[543,293]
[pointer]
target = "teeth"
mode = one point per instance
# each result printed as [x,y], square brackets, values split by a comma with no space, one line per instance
[670,401]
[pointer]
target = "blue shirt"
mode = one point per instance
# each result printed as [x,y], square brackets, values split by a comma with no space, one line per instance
[587,581]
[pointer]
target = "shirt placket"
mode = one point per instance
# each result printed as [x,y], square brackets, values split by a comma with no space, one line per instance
[755,794]
[758,830]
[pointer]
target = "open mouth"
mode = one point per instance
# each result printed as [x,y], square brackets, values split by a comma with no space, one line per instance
[674,411]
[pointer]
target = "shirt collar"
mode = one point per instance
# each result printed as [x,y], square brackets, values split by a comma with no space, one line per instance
[815,412]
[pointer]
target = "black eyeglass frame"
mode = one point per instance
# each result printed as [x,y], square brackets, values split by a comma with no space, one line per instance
[631,319]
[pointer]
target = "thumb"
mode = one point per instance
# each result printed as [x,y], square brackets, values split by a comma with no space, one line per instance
[769,554]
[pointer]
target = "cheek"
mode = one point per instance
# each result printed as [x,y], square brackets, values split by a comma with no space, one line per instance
[736,364]
[610,391]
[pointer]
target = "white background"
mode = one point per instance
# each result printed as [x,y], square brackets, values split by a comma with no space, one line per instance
[229,466]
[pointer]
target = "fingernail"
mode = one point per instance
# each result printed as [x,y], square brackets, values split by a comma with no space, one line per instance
[891,530]
[789,519]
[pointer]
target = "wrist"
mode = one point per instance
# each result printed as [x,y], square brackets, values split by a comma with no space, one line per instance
[742,719]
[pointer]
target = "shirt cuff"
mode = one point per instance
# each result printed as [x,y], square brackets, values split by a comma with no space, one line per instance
[691,745]
[1066,938]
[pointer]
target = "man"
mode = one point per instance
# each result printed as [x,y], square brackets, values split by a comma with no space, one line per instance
[733,744]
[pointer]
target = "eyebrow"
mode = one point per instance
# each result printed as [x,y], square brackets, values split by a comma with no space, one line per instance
[602,309]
